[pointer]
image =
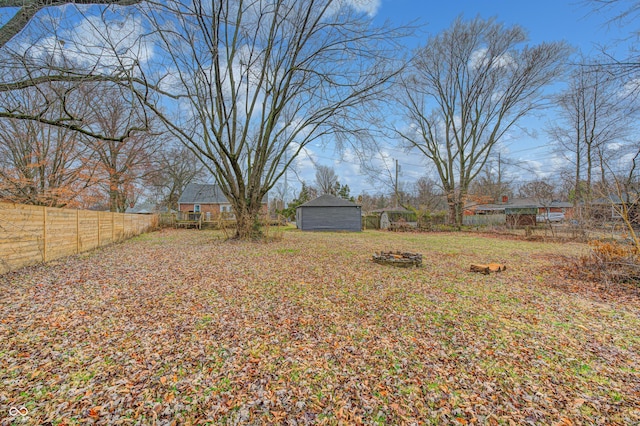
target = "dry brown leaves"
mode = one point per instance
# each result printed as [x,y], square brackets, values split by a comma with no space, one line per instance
[180,327]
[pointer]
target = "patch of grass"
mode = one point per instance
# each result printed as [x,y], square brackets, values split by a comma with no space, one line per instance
[287,251]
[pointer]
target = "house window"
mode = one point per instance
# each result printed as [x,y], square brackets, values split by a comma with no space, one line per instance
[227,211]
[196,208]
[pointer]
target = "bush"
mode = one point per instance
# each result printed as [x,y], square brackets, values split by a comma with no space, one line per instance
[611,261]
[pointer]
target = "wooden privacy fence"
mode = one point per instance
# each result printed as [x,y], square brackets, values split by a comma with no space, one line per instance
[32,234]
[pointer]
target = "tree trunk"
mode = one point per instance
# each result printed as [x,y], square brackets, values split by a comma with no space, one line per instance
[113,193]
[248,221]
[459,213]
[455,212]
[452,210]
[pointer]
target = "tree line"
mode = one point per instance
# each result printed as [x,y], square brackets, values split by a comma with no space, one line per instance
[102,99]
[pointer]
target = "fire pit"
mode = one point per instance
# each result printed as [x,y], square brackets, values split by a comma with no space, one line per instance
[398,258]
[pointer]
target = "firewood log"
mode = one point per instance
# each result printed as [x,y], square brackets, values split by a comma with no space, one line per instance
[487,268]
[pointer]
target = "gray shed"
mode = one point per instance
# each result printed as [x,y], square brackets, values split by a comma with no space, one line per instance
[329,213]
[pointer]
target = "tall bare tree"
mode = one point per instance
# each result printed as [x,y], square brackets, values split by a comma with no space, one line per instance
[326,179]
[41,164]
[594,112]
[256,81]
[491,184]
[542,192]
[428,195]
[173,170]
[467,88]
[120,165]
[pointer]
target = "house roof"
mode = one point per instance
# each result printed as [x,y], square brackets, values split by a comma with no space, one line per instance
[517,203]
[202,193]
[328,200]
[144,208]
[488,207]
[148,207]
[616,199]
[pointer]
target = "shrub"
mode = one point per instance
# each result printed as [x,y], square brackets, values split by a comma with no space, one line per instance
[611,261]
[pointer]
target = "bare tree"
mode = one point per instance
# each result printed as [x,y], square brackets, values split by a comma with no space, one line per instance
[594,112]
[625,67]
[256,81]
[467,88]
[120,165]
[491,184]
[624,196]
[26,10]
[40,164]
[541,191]
[428,195]
[174,169]
[326,179]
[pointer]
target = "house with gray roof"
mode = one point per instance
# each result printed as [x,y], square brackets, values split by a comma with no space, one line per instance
[537,211]
[329,213]
[207,199]
[142,208]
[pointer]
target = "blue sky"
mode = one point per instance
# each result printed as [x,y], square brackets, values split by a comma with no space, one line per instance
[545,20]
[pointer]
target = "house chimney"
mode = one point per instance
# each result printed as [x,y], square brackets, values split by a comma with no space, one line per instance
[505,199]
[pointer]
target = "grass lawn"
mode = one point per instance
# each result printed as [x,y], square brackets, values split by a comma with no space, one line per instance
[181,326]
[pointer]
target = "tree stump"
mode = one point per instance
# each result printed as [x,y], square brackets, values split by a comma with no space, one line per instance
[487,268]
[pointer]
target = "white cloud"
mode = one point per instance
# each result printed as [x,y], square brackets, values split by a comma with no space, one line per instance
[370,7]
[614,146]
[526,169]
[480,57]
[630,88]
[106,45]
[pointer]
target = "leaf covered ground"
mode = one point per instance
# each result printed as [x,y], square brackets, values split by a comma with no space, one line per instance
[182,327]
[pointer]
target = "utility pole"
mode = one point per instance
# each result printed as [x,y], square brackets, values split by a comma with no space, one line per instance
[500,194]
[499,172]
[284,196]
[397,170]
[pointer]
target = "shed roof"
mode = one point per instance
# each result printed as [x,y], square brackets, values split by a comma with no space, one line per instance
[328,200]
[202,193]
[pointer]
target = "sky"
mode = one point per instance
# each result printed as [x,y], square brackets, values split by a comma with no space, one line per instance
[525,156]
[544,20]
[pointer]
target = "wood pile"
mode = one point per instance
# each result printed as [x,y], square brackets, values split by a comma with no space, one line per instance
[398,258]
[401,226]
[488,268]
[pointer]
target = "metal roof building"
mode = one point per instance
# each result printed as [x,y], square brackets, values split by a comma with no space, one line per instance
[329,213]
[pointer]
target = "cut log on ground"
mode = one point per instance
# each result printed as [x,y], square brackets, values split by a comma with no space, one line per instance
[487,268]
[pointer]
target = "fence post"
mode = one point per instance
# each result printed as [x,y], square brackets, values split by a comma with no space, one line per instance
[98,213]
[44,234]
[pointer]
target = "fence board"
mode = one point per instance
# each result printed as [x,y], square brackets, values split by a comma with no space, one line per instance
[32,234]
